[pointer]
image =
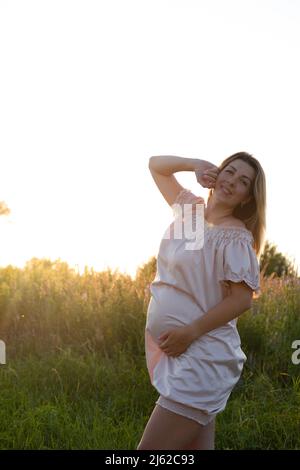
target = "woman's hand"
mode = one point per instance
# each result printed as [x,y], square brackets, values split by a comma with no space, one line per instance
[174,342]
[206,173]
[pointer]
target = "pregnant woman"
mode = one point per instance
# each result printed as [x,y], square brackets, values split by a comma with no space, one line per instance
[193,350]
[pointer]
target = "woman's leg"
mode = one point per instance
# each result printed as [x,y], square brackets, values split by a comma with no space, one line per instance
[166,430]
[205,439]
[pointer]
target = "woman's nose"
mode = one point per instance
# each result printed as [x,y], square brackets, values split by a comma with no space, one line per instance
[232,182]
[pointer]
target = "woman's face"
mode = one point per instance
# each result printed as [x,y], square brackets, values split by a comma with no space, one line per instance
[234,183]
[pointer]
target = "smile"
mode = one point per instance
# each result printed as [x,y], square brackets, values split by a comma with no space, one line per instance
[226,191]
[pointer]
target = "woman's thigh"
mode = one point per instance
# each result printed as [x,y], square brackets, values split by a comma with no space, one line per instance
[205,439]
[166,430]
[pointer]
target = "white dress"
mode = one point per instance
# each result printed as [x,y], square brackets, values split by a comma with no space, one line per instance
[198,383]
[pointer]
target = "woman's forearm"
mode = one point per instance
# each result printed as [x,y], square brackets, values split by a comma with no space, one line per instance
[168,164]
[226,310]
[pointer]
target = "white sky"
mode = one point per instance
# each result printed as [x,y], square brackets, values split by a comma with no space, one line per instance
[89,90]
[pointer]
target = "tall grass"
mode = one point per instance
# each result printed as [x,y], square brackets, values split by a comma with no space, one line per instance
[268,330]
[76,375]
[47,306]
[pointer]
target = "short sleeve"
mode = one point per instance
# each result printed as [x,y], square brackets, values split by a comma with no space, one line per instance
[185,196]
[239,263]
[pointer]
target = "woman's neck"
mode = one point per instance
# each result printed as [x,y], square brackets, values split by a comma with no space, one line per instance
[216,212]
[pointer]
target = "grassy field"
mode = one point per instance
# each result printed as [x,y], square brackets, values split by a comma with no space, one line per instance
[76,375]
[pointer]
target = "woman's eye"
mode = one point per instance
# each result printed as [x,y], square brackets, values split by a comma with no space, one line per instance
[243,181]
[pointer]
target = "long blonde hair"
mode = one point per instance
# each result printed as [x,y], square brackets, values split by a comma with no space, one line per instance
[253,214]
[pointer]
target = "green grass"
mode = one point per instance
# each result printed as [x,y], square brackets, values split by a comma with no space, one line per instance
[66,401]
[76,374]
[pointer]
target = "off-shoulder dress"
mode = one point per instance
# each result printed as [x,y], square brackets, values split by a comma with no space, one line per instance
[198,383]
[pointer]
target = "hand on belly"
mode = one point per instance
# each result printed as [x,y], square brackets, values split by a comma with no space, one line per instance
[176,341]
[170,309]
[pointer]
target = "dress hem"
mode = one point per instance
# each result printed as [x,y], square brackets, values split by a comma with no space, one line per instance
[201,417]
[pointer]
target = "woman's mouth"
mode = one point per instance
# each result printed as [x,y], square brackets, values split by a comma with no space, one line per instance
[226,191]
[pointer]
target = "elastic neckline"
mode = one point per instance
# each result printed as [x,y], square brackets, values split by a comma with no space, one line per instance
[232,227]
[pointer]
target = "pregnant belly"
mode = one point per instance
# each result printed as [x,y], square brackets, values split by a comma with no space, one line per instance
[170,308]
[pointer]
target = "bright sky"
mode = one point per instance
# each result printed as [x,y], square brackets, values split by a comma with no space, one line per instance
[89,90]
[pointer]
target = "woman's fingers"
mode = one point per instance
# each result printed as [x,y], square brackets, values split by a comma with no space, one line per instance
[210,180]
[169,353]
[213,169]
[207,177]
[212,173]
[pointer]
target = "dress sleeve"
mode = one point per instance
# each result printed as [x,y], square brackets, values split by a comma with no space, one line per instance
[239,263]
[185,196]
